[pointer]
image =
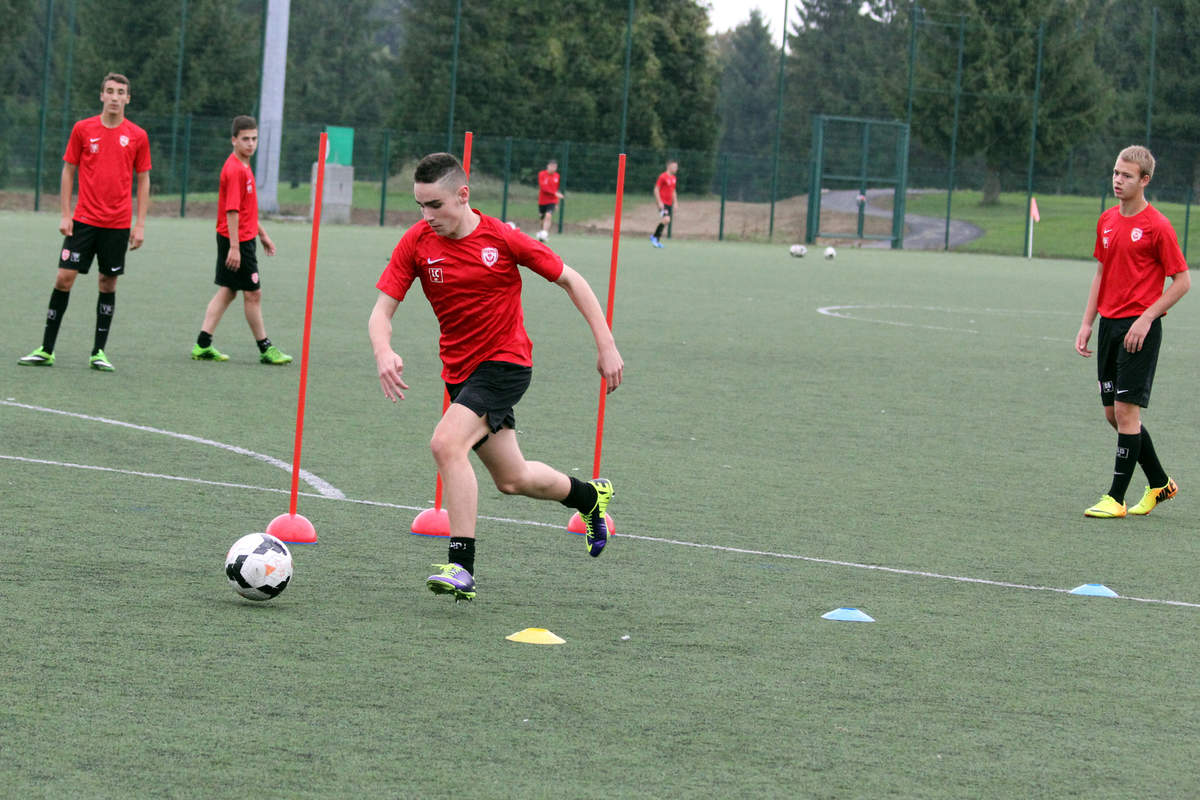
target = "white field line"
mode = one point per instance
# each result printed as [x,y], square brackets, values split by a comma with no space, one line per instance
[660,540]
[323,487]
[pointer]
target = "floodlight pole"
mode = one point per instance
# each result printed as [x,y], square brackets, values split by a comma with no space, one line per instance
[1037,93]
[41,155]
[178,84]
[270,105]
[625,92]
[778,123]
[453,75]
[1150,81]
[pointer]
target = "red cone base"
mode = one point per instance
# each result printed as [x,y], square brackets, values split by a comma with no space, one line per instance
[577,527]
[432,522]
[293,529]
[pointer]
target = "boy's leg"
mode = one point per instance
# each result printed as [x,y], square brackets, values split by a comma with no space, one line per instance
[106,306]
[216,309]
[458,430]
[253,308]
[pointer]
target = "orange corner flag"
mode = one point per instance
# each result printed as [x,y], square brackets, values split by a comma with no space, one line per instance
[1033,210]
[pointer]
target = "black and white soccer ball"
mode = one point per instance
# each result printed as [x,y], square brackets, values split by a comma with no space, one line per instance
[258,566]
[798,250]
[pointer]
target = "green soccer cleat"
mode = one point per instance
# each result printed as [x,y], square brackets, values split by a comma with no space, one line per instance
[38,358]
[209,353]
[273,355]
[101,362]
[454,580]
[1107,508]
[596,520]
[1153,497]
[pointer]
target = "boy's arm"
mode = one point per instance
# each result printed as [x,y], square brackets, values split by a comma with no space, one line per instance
[388,363]
[608,361]
[268,245]
[1180,283]
[1089,315]
[66,185]
[138,234]
[234,259]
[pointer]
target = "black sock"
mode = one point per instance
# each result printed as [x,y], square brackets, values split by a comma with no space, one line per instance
[1148,459]
[204,339]
[582,496]
[54,315]
[462,552]
[263,344]
[1128,446]
[106,305]
[658,231]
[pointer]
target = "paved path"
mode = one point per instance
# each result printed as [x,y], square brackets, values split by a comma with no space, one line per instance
[921,232]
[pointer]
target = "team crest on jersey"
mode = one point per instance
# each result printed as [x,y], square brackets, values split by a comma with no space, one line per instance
[124,141]
[490,256]
[94,147]
[1135,234]
[435,274]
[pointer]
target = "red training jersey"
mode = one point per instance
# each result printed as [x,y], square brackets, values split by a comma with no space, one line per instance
[548,187]
[666,188]
[474,287]
[1136,255]
[237,194]
[106,159]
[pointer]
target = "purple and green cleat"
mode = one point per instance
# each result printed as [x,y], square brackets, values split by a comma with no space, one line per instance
[454,580]
[596,520]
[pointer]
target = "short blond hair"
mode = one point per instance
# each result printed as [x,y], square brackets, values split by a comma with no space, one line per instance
[1137,154]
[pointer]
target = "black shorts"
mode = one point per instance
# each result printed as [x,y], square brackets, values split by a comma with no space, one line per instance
[1123,375]
[106,245]
[491,391]
[246,276]
[546,208]
[667,211]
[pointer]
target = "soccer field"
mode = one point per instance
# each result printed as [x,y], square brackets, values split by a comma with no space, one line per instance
[905,433]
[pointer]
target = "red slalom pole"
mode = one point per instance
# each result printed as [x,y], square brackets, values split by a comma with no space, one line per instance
[576,524]
[293,527]
[435,521]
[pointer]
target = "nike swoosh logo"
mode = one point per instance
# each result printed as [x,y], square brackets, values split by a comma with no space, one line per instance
[94,140]
[1108,230]
[1122,391]
[433,260]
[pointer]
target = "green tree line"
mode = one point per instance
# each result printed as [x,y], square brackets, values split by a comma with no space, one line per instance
[554,70]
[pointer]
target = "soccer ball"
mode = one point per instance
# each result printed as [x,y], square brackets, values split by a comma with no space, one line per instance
[258,566]
[542,236]
[513,225]
[798,250]
[830,253]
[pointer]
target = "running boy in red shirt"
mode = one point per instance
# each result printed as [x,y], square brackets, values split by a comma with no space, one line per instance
[1137,250]
[106,151]
[548,196]
[466,263]
[237,267]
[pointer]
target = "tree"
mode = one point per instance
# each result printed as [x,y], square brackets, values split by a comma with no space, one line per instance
[749,88]
[999,62]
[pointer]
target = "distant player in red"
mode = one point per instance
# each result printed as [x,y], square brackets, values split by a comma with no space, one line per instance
[664,197]
[106,151]
[1137,251]
[237,267]
[467,265]
[548,196]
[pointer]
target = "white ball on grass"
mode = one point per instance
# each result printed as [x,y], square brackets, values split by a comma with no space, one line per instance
[798,250]
[830,253]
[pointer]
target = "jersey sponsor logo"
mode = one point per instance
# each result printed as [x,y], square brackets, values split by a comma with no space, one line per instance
[124,141]
[1135,234]
[490,256]
[435,274]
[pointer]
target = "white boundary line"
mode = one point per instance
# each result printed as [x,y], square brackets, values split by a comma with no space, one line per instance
[323,487]
[660,540]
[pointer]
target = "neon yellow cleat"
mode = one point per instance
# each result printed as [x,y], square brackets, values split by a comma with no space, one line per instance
[1107,508]
[1153,497]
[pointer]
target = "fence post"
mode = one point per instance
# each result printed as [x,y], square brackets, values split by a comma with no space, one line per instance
[41,154]
[962,30]
[562,204]
[1187,219]
[187,160]
[507,177]
[724,191]
[387,160]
